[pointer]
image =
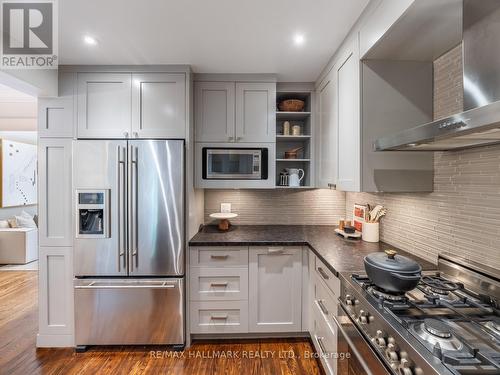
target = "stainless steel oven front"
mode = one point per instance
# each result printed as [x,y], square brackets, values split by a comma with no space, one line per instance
[235,163]
[360,359]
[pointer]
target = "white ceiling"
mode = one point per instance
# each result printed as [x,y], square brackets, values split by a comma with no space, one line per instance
[213,36]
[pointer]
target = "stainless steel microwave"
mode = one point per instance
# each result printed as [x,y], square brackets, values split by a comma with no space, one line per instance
[235,163]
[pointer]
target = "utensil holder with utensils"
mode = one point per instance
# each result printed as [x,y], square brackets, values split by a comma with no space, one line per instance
[371,232]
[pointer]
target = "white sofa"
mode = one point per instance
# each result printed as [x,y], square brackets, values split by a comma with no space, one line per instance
[18,245]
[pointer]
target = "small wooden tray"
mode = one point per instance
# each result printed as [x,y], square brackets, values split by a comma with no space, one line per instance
[354,235]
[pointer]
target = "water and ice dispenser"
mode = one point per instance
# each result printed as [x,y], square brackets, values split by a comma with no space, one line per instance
[92,209]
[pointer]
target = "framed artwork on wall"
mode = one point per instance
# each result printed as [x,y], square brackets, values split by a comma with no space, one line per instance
[19,173]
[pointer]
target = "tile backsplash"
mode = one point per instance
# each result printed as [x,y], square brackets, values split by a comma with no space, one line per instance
[279,206]
[461,216]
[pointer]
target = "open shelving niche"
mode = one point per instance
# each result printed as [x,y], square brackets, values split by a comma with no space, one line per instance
[286,142]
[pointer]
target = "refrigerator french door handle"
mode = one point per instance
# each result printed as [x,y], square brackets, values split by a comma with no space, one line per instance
[134,211]
[121,198]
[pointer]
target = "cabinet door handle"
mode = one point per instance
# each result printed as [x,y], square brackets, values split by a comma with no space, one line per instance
[224,284]
[323,274]
[218,317]
[219,256]
[275,249]
[230,138]
[324,310]
[136,135]
[125,134]
[239,138]
[332,186]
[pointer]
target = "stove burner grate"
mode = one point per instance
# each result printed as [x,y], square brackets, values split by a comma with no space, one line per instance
[439,285]
[387,296]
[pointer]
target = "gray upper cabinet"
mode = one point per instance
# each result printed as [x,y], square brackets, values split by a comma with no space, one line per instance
[158,105]
[327,132]
[104,105]
[255,112]
[348,159]
[235,112]
[214,117]
[56,115]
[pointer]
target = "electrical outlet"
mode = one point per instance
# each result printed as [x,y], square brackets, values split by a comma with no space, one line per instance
[225,207]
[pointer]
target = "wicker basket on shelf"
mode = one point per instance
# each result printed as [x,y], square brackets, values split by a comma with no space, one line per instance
[291,105]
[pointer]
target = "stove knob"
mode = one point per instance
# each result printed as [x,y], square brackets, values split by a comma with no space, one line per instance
[405,367]
[391,353]
[380,339]
[349,300]
[363,317]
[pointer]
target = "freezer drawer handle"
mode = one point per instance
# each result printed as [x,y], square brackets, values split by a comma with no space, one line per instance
[323,274]
[219,256]
[125,286]
[224,284]
[218,317]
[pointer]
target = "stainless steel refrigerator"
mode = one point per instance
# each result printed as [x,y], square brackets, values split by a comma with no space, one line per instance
[129,242]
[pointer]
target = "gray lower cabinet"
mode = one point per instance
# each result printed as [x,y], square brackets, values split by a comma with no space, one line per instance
[241,289]
[218,289]
[159,105]
[275,289]
[323,308]
[104,105]
[55,297]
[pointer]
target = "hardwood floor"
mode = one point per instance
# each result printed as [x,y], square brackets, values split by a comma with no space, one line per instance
[18,355]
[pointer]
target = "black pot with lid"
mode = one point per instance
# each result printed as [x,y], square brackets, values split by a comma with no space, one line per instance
[392,272]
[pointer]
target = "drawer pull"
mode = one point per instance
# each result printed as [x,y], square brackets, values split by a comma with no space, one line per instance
[275,249]
[221,257]
[321,345]
[322,307]
[323,274]
[218,317]
[222,284]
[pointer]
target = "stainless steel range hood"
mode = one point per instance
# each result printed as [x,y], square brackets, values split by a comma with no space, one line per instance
[479,124]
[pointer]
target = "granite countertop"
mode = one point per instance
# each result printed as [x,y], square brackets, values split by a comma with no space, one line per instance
[338,254]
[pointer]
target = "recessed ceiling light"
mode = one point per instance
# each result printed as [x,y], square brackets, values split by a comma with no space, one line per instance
[91,41]
[299,39]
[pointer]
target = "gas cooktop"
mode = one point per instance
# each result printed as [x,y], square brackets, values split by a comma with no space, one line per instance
[448,324]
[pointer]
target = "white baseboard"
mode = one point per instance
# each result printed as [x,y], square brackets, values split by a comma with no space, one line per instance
[54,341]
